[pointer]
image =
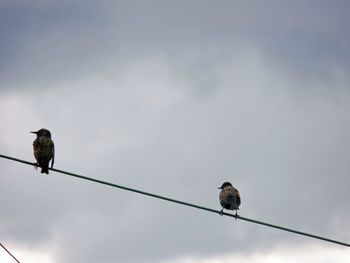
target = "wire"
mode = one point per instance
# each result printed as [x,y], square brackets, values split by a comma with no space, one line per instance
[184,203]
[9,253]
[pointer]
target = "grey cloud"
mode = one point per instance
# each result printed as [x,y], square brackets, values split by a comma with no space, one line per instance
[66,41]
[284,155]
[176,121]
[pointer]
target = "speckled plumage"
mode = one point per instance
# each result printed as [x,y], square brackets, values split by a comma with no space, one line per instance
[44,150]
[229,197]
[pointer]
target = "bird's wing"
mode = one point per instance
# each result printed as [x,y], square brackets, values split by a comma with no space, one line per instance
[238,200]
[53,155]
[235,196]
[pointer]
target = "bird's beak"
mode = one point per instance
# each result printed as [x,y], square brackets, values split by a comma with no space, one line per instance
[219,188]
[35,132]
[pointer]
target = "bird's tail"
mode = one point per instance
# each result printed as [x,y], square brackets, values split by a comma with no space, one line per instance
[45,169]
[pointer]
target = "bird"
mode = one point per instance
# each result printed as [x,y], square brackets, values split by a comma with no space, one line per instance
[44,150]
[229,197]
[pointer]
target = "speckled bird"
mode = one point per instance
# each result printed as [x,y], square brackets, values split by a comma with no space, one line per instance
[229,197]
[44,150]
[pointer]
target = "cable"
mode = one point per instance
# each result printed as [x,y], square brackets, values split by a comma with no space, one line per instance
[183,203]
[9,253]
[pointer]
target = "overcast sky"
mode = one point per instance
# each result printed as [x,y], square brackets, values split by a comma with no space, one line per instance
[174,98]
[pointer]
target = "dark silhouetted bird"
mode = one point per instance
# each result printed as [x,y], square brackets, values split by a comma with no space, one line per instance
[229,197]
[44,149]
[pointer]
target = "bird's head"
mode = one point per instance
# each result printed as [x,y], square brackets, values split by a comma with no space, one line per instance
[225,184]
[42,132]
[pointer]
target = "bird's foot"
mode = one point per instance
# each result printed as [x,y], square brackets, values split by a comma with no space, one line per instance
[36,165]
[236,215]
[221,212]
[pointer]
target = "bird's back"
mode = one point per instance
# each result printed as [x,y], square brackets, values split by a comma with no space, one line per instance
[230,198]
[44,151]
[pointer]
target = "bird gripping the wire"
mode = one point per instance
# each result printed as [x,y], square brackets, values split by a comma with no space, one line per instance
[229,198]
[44,150]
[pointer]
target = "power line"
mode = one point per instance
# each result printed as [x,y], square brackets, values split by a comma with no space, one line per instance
[184,203]
[9,253]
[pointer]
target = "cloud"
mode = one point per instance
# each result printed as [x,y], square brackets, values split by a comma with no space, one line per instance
[278,254]
[148,127]
[42,254]
[66,40]
[174,107]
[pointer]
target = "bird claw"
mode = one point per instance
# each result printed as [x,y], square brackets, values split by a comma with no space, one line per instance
[221,212]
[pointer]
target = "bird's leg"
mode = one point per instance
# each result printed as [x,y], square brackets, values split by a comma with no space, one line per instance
[236,215]
[36,165]
[221,212]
